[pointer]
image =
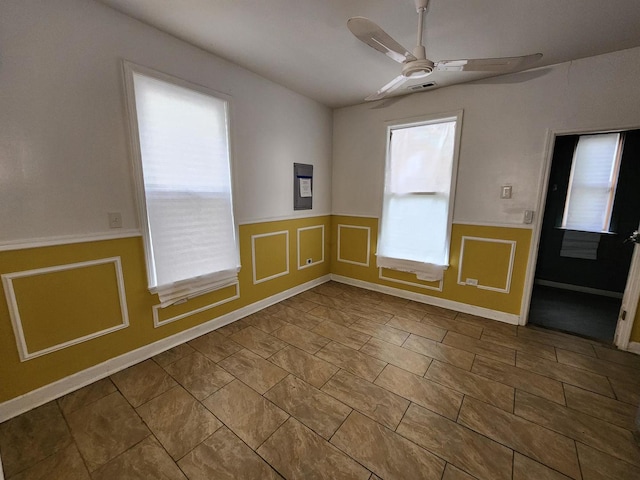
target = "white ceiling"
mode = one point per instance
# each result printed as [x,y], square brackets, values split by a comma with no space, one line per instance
[305,45]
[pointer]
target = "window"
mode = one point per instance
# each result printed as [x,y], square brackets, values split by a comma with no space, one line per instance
[182,164]
[418,195]
[592,184]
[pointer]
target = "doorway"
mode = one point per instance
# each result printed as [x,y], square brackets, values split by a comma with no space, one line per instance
[583,257]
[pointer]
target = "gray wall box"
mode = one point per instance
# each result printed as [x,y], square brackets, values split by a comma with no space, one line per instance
[302,186]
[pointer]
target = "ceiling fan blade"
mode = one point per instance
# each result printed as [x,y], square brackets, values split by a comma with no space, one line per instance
[388,88]
[504,64]
[371,34]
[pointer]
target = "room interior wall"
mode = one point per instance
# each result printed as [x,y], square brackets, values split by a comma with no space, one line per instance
[505,129]
[75,291]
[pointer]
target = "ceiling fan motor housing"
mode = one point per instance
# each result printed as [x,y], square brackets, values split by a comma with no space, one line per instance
[417,69]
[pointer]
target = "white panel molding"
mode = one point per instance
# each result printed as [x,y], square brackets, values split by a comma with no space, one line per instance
[355,215]
[253,255]
[42,395]
[156,309]
[67,240]
[14,310]
[357,227]
[405,282]
[300,267]
[504,317]
[512,256]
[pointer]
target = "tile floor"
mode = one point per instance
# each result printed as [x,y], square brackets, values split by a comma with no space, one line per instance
[343,383]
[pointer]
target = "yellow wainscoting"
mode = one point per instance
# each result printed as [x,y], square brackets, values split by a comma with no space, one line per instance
[311,244]
[52,297]
[270,255]
[354,244]
[55,307]
[488,259]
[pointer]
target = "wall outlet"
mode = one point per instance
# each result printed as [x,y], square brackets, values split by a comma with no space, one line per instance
[472,281]
[309,261]
[115,220]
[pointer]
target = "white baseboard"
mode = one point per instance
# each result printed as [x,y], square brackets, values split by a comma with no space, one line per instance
[435,301]
[634,347]
[42,395]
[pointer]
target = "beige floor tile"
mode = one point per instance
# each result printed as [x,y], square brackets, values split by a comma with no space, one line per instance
[299,304]
[330,289]
[173,354]
[231,328]
[142,382]
[86,395]
[368,311]
[457,326]
[627,391]
[488,324]
[466,449]
[565,373]
[559,340]
[418,328]
[320,412]
[376,402]
[341,334]
[309,368]
[351,360]
[147,460]
[304,339]
[454,473]
[253,370]
[249,415]
[263,321]
[605,408]
[597,465]
[334,315]
[398,356]
[215,346]
[520,344]
[223,456]
[617,356]
[440,351]
[378,330]
[300,454]
[432,309]
[596,365]
[258,342]
[545,446]
[525,469]
[469,383]
[479,347]
[519,378]
[425,393]
[199,375]
[384,452]
[65,464]
[608,438]
[105,428]
[403,312]
[297,317]
[178,420]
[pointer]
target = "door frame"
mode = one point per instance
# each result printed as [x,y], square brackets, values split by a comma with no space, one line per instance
[631,294]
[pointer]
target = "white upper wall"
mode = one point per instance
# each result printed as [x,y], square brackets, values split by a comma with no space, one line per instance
[64,152]
[504,133]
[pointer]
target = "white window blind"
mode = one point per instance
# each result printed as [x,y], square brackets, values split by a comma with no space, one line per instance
[416,212]
[190,235]
[592,184]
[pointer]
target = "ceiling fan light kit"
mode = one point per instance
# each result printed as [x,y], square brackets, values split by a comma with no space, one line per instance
[416,65]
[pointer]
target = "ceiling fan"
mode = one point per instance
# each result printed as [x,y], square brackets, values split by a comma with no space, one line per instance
[417,65]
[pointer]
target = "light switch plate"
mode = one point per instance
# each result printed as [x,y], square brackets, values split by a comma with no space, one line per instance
[505,191]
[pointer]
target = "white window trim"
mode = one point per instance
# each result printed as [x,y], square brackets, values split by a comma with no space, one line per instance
[128,70]
[413,122]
